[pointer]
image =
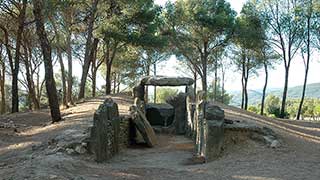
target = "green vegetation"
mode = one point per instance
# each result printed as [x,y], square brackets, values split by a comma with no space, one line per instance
[119,41]
[164,93]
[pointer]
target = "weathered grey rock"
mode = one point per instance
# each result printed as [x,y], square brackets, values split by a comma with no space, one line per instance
[80,149]
[214,135]
[275,144]
[159,114]
[138,92]
[180,112]
[210,129]
[166,81]
[190,108]
[214,131]
[199,124]
[143,126]
[105,131]
[213,112]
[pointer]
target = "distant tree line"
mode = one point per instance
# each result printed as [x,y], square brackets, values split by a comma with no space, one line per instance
[122,40]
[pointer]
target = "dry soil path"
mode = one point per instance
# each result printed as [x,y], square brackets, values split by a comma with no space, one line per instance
[29,153]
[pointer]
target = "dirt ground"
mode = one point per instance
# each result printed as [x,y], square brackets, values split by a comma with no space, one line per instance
[28,150]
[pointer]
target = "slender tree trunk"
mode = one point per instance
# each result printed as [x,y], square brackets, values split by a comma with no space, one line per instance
[119,82]
[46,51]
[60,60]
[246,93]
[63,78]
[222,84]
[70,78]
[94,66]
[108,61]
[195,82]
[285,92]
[114,83]
[15,72]
[264,87]
[155,87]
[108,79]
[246,78]
[204,62]
[87,60]
[31,91]
[243,82]
[306,67]
[94,79]
[2,84]
[215,79]
[146,92]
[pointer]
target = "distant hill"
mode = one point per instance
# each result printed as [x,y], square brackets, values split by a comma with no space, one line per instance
[312,91]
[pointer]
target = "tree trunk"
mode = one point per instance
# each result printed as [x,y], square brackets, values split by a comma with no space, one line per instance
[155,87]
[70,78]
[94,82]
[306,67]
[108,79]
[15,72]
[119,82]
[46,51]
[2,84]
[146,92]
[114,82]
[284,95]
[108,61]
[222,84]
[94,66]
[205,69]
[246,93]
[243,82]
[215,79]
[195,82]
[63,78]
[31,91]
[264,87]
[87,59]
[246,78]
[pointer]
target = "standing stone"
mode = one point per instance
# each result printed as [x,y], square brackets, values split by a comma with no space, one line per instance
[105,131]
[199,123]
[180,111]
[213,132]
[138,92]
[191,107]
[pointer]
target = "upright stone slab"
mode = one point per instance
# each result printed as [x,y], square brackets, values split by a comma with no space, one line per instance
[105,131]
[180,112]
[213,132]
[161,114]
[190,107]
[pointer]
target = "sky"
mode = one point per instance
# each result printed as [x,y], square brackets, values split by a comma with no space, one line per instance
[276,75]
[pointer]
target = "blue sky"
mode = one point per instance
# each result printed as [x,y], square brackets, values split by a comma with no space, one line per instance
[276,78]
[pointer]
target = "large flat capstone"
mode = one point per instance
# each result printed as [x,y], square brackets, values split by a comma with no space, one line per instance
[166,81]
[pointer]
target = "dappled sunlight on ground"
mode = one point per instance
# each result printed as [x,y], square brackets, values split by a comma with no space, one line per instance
[30,152]
[254,178]
[17,146]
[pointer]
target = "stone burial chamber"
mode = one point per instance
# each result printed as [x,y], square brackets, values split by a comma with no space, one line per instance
[169,116]
[184,114]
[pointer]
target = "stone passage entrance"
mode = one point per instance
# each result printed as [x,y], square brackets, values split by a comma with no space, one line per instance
[170,116]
